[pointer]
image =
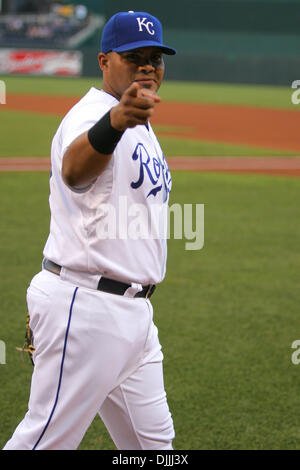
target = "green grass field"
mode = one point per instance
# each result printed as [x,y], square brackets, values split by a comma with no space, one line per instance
[227,314]
[260,95]
[37,144]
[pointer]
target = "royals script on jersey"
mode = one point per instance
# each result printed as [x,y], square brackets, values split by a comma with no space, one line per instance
[117,226]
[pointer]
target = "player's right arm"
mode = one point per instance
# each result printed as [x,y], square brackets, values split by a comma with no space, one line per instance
[89,154]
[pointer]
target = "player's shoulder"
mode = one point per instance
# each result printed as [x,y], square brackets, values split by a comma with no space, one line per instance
[94,99]
[87,111]
[99,96]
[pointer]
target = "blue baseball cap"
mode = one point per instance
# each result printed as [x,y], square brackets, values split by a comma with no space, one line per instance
[133,29]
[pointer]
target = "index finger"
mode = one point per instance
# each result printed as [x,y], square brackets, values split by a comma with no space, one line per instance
[132,90]
[145,93]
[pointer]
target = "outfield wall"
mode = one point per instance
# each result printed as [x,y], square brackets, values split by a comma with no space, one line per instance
[231,41]
[237,41]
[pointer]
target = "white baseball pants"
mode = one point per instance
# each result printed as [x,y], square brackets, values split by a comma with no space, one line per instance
[94,353]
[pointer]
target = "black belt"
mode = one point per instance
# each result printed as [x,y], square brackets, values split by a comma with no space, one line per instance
[106,285]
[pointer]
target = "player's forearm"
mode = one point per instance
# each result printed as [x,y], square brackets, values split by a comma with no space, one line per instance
[82,163]
[89,154]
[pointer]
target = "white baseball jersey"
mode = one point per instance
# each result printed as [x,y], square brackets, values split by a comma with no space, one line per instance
[117,226]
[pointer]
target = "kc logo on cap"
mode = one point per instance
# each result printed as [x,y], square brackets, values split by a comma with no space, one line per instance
[142,23]
[129,30]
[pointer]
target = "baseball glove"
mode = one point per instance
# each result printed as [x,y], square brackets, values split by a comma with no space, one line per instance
[28,345]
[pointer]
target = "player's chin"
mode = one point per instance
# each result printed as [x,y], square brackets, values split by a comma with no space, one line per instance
[148,83]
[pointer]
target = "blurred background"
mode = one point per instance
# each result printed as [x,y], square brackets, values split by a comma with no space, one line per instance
[236,41]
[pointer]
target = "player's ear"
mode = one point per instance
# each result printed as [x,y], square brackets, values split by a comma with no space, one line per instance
[103,60]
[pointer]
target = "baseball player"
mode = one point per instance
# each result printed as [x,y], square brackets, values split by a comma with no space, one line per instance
[96,348]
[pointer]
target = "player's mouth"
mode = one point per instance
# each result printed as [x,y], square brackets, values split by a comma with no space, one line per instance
[145,81]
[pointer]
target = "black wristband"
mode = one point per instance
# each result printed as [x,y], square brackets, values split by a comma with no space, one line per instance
[103,137]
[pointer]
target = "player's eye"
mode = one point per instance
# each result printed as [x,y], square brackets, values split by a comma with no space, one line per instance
[156,59]
[139,59]
[132,57]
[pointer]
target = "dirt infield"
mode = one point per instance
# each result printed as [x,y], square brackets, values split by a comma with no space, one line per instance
[280,166]
[241,125]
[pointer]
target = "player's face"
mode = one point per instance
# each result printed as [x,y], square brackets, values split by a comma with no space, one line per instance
[144,65]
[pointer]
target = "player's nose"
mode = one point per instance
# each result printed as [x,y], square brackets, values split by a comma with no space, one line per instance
[146,67]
